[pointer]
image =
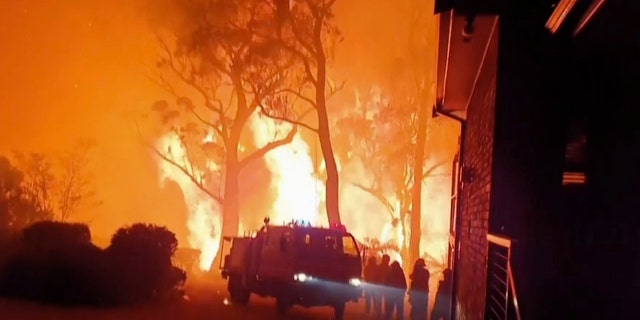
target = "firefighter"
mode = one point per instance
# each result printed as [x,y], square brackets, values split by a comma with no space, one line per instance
[394,298]
[419,290]
[371,299]
[443,297]
[382,272]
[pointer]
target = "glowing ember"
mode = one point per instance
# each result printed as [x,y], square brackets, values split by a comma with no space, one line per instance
[204,219]
[298,190]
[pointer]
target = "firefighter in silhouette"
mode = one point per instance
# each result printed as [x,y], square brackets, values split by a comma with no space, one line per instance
[382,272]
[419,290]
[371,298]
[442,306]
[394,295]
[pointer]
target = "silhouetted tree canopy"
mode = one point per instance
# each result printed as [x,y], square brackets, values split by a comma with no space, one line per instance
[223,63]
[56,262]
[17,207]
[143,239]
[56,234]
[42,187]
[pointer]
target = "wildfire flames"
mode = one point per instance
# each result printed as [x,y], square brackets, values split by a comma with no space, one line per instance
[299,194]
[298,191]
[204,220]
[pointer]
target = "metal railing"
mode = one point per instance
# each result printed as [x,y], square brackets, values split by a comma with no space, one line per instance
[501,299]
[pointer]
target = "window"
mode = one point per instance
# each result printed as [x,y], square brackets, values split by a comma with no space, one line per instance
[575,153]
[349,246]
[331,243]
[285,240]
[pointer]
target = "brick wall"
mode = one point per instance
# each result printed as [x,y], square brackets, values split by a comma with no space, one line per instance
[476,195]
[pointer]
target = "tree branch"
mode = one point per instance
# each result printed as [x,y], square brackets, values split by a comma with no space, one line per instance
[333,88]
[301,38]
[298,94]
[208,123]
[268,147]
[184,170]
[297,122]
[378,195]
[430,171]
[328,5]
[190,175]
[304,59]
[213,105]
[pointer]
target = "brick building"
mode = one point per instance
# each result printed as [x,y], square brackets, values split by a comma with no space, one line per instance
[548,178]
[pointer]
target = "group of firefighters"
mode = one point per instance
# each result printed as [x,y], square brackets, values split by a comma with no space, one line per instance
[386,286]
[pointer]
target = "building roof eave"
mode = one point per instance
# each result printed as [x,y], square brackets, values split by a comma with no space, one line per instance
[461,58]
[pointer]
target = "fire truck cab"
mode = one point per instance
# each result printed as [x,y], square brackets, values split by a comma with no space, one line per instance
[297,264]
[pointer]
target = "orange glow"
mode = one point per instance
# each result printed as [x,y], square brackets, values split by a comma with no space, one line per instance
[204,220]
[82,69]
[573,178]
[367,217]
[298,191]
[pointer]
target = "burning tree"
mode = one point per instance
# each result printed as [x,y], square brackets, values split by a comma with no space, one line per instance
[411,86]
[376,248]
[307,31]
[384,136]
[223,64]
[419,79]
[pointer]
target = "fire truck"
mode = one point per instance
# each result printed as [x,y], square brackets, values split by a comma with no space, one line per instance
[296,264]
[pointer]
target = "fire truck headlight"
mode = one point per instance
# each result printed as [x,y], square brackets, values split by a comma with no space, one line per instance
[302,277]
[355,282]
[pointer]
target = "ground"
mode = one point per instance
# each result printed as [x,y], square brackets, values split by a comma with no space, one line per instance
[205,300]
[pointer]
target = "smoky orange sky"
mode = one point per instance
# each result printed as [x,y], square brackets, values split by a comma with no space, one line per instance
[79,69]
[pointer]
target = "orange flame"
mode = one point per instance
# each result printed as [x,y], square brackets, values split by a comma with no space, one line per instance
[300,195]
[299,192]
[204,220]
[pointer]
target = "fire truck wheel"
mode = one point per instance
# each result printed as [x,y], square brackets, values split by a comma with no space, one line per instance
[239,294]
[339,311]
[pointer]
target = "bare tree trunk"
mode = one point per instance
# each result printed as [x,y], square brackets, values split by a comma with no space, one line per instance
[230,201]
[230,204]
[407,262]
[416,196]
[324,134]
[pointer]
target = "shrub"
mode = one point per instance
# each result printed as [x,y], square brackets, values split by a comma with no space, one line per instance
[48,271]
[56,263]
[9,241]
[142,255]
[52,235]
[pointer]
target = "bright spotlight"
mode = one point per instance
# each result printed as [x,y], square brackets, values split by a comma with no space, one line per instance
[355,282]
[301,277]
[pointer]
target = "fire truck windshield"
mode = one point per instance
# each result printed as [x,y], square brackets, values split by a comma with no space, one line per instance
[349,246]
[327,243]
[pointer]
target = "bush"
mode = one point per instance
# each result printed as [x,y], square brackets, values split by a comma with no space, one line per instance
[53,262]
[142,255]
[8,244]
[56,263]
[48,235]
